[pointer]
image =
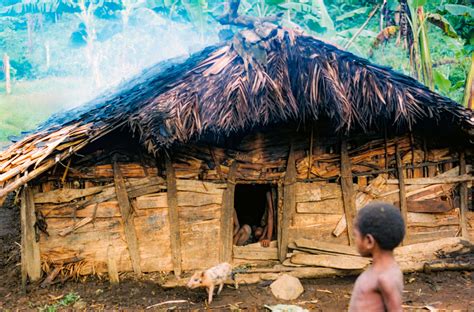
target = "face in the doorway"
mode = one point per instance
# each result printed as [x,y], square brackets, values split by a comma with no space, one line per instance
[258,232]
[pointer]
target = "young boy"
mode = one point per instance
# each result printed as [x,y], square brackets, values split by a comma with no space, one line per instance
[378,229]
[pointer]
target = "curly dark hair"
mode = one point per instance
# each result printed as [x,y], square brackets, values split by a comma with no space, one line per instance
[384,222]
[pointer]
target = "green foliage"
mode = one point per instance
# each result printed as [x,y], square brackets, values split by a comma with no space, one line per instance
[456,9]
[67,300]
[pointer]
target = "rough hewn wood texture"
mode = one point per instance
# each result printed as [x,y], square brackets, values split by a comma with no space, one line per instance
[200,210]
[402,190]
[256,252]
[127,219]
[112,265]
[31,262]
[347,190]
[463,195]
[324,247]
[225,251]
[173,217]
[331,261]
[289,204]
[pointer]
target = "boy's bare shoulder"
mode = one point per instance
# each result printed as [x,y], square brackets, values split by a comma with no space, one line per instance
[392,277]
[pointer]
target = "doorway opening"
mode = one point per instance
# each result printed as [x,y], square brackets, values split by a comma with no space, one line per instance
[255,214]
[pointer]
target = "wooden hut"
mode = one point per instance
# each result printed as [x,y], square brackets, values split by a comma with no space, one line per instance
[145,178]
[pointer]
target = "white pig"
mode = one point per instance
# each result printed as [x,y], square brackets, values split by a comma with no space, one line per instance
[216,275]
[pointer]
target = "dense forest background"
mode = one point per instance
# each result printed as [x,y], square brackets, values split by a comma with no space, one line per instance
[64,52]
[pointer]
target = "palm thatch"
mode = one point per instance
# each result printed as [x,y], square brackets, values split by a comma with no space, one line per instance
[265,76]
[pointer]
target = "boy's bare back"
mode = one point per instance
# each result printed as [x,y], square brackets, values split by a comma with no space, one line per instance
[378,229]
[378,290]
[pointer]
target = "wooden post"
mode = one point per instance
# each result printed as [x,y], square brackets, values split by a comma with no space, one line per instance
[385,145]
[175,236]
[402,191]
[6,69]
[347,191]
[289,204]
[112,265]
[463,196]
[30,261]
[412,149]
[127,218]
[310,162]
[225,249]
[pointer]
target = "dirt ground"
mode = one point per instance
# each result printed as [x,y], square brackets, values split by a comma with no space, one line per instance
[447,291]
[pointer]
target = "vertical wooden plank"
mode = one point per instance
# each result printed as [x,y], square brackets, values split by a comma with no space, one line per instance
[310,162]
[362,181]
[279,211]
[112,265]
[216,163]
[225,248]
[31,261]
[347,191]
[385,146]
[175,236]
[289,204]
[402,190]
[127,218]
[412,150]
[463,195]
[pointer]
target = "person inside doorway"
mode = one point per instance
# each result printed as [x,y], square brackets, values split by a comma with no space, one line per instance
[253,229]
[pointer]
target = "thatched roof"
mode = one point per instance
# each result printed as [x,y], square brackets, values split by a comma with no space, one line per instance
[268,75]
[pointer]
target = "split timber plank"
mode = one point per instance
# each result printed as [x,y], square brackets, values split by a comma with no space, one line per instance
[330,206]
[112,265]
[255,252]
[289,204]
[326,247]
[65,195]
[127,218]
[343,262]
[463,195]
[402,190]
[436,180]
[198,186]
[427,206]
[175,238]
[226,224]
[347,190]
[31,261]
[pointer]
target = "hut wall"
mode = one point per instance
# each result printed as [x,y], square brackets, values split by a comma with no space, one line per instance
[86,228]
[262,158]
[319,207]
[199,209]
[102,236]
[85,224]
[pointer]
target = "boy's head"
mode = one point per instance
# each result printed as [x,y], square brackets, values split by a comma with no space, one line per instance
[378,225]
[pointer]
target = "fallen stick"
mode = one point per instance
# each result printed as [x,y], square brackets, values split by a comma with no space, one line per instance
[71,229]
[49,280]
[168,302]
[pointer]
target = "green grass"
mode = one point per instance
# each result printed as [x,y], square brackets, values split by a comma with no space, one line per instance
[32,102]
[67,300]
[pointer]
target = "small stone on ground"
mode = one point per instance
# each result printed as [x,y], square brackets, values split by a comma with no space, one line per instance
[287,287]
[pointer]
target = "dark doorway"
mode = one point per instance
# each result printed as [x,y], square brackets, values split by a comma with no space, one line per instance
[252,204]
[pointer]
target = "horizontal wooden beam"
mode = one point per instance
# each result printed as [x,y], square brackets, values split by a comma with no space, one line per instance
[427,181]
